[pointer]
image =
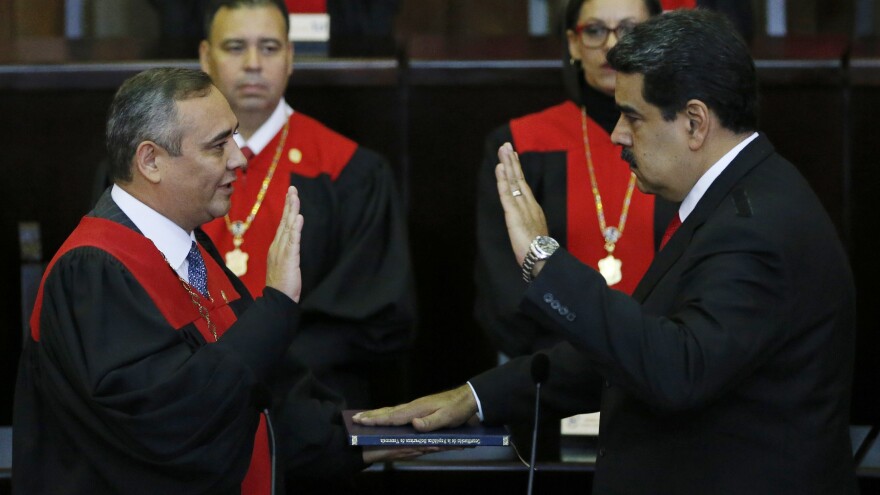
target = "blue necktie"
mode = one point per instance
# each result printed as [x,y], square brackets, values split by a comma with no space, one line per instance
[198,275]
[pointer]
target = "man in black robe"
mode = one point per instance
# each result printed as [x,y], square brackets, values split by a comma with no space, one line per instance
[149,368]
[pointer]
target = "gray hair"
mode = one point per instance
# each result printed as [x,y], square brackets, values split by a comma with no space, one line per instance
[145,109]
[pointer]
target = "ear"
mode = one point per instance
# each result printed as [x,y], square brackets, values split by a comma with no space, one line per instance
[148,160]
[204,46]
[699,123]
[289,58]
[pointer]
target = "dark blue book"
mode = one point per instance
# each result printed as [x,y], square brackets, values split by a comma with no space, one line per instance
[407,436]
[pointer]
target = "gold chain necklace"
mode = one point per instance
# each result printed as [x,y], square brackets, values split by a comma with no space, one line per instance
[203,311]
[201,307]
[237,259]
[609,266]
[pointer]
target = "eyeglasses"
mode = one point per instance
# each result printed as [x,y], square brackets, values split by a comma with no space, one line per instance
[595,34]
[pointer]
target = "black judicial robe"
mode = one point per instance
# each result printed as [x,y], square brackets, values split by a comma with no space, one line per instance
[116,396]
[357,304]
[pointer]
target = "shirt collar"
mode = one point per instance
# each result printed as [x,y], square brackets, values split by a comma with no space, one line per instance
[693,197]
[171,240]
[268,130]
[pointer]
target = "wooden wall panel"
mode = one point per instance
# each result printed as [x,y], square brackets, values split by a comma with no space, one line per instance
[59,140]
[6,20]
[819,16]
[865,205]
[38,18]
[462,17]
[866,262]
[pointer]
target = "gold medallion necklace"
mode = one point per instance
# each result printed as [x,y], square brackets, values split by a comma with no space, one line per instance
[237,259]
[609,266]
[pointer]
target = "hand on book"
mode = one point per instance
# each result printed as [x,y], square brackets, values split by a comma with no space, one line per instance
[444,410]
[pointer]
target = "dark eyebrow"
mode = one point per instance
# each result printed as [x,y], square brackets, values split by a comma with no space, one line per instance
[221,136]
[627,109]
[594,20]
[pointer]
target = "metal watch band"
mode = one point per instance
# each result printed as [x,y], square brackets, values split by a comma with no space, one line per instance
[541,248]
[529,263]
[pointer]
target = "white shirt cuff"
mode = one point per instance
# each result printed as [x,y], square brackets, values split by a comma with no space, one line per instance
[477,398]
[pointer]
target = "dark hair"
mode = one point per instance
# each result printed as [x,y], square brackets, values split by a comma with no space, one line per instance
[215,5]
[572,73]
[145,109]
[573,11]
[692,54]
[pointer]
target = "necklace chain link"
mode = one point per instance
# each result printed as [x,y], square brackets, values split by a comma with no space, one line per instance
[238,228]
[610,234]
[203,311]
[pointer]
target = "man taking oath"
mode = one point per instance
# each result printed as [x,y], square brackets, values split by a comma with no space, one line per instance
[728,370]
[149,368]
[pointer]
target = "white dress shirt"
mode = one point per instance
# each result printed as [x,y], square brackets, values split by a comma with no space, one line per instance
[171,240]
[693,197]
[268,130]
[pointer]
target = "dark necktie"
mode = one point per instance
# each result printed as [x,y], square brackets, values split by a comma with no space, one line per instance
[198,275]
[674,224]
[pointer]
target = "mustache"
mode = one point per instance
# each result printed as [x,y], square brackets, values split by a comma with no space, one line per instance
[627,155]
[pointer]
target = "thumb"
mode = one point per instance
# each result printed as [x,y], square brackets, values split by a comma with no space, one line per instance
[426,423]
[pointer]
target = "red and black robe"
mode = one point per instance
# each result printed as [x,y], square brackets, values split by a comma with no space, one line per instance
[122,388]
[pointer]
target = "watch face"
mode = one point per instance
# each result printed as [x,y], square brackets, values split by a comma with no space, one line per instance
[545,246]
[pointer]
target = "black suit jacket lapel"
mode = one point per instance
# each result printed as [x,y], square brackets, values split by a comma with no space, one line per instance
[747,159]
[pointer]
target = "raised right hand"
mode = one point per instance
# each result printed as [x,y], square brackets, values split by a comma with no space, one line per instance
[282,262]
[522,213]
